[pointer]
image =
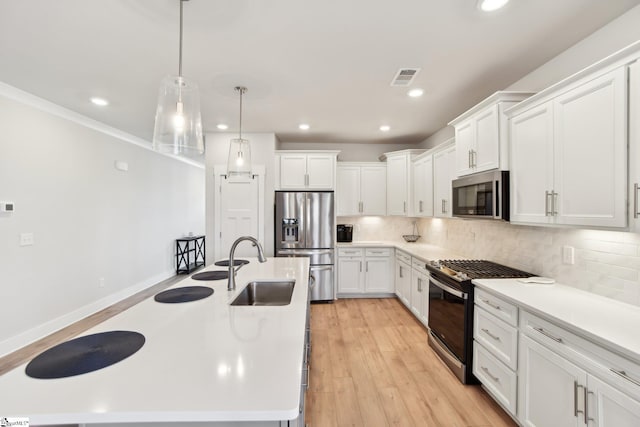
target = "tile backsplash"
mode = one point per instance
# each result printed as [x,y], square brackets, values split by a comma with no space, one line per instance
[606,262]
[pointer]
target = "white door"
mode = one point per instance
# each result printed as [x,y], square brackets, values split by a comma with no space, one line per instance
[320,171]
[609,407]
[397,190]
[590,143]
[444,164]
[486,154]
[378,274]
[550,388]
[373,190]
[350,275]
[532,165]
[293,171]
[348,191]
[464,145]
[238,214]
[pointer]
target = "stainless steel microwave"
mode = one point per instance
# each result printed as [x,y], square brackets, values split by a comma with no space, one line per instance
[484,195]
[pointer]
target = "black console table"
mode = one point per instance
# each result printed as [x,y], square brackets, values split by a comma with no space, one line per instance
[190,254]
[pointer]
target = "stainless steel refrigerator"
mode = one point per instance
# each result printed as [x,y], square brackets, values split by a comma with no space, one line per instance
[305,226]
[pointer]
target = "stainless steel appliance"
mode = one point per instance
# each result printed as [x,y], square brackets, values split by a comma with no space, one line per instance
[451,309]
[305,226]
[483,195]
[345,233]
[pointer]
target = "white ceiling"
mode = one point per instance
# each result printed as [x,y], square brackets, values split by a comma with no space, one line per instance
[328,63]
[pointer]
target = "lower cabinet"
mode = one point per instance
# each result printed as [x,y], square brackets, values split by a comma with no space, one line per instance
[545,375]
[403,277]
[420,291]
[365,272]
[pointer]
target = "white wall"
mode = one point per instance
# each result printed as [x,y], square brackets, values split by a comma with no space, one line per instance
[263,146]
[89,220]
[349,152]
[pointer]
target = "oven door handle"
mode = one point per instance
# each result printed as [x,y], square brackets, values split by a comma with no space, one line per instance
[449,289]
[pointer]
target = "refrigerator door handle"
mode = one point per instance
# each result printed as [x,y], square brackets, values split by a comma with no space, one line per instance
[305,252]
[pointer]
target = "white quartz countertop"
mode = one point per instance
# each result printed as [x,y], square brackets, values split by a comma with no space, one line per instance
[424,251]
[610,323]
[202,361]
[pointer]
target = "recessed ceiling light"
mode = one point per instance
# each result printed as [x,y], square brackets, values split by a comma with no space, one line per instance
[222,126]
[491,5]
[304,126]
[415,93]
[99,101]
[385,128]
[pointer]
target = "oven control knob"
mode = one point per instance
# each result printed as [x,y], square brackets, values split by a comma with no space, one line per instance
[462,276]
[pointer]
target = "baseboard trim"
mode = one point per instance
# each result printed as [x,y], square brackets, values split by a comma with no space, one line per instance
[29,336]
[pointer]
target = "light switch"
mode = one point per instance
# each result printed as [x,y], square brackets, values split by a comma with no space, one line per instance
[26,239]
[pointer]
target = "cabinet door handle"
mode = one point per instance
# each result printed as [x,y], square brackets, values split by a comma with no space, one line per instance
[586,406]
[442,207]
[486,370]
[401,272]
[469,160]
[486,331]
[554,205]
[360,266]
[361,207]
[490,304]
[547,211]
[420,206]
[635,200]
[624,375]
[404,207]
[473,158]
[548,335]
[366,266]
[576,411]
[419,285]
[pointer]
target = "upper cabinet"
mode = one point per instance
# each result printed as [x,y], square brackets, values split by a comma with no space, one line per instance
[399,178]
[569,153]
[634,145]
[481,134]
[444,171]
[305,170]
[361,188]
[423,185]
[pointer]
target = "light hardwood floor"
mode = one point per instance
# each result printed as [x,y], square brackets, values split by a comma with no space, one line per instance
[371,366]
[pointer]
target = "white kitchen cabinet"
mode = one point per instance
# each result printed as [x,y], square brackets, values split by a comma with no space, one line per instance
[365,272]
[569,155]
[634,146]
[403,277]
[423,185]
[399,182]
[608,407]
[481,134]
[444,171]
[420,291]
[361,189]
[305,170]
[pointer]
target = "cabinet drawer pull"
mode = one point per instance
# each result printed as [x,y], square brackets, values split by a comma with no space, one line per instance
[490,304]
[624,375]
[486,331]
[576,386]
[548,335]
[486,371]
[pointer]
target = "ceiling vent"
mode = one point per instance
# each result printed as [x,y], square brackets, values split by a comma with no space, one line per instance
[405,76]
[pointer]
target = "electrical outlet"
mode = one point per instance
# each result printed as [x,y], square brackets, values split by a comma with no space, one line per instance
[26,239]
[568,255]
[101,282]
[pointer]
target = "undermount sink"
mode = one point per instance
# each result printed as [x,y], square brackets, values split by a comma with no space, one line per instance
[266,293]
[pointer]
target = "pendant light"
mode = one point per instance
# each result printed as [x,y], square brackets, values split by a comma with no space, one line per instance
[178,128]
[239,163]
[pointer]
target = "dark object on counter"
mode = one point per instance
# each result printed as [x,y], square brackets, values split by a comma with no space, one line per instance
[190,254]
[184,294]
[211,275]
[236,262]
[345,233]
[85,354]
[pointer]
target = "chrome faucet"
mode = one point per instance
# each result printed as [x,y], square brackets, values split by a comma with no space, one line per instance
[231,285]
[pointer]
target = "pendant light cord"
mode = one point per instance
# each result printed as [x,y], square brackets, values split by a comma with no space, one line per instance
[242,90]
[180,48]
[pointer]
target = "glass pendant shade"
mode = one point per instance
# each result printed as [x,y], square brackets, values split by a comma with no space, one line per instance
[178,128]
[239,163]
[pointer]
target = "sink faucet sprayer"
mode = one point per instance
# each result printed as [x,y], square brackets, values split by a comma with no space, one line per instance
[232,272]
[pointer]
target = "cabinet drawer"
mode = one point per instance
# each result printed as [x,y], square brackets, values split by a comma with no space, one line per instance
[346,252]
[496,306]
[500,338]
[418,264]
[378,252]
[499,380]
[404,257]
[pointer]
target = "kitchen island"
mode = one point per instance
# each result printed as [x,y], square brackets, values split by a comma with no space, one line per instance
[203,361]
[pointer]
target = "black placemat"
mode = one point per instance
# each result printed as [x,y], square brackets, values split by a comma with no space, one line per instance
[211,275]
[85,354]
[183,294]
[236,262]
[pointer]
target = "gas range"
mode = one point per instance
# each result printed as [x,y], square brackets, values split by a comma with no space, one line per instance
[468,269]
